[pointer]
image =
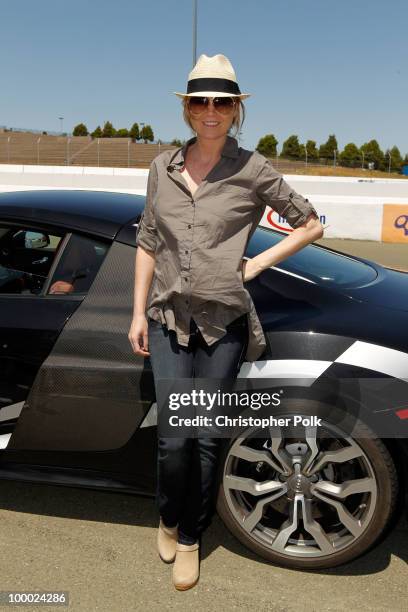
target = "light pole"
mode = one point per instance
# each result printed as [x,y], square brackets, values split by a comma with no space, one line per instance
[62,124]
[389,162]
[362,165]
[306,153]
[142,124]
[194,32]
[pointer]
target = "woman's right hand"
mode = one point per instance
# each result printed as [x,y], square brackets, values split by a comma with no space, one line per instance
[138,335]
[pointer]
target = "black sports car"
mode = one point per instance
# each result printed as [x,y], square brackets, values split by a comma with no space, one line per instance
[77,406]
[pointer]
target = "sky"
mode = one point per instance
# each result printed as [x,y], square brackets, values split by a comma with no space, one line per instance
[314,67]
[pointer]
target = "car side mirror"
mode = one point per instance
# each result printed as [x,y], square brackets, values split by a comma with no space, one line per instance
[36,240]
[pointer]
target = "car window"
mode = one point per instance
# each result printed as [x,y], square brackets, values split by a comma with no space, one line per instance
[315,264]
[78,265]
[26,257]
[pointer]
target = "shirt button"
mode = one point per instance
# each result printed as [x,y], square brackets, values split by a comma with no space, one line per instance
[186,252]
[189,226]
[186,279]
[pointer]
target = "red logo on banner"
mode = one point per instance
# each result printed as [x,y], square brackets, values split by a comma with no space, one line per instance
[284,228]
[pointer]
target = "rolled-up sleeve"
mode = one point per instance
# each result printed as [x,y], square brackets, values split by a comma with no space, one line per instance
[271,189]
[146,233]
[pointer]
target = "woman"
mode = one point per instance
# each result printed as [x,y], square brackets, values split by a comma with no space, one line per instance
[192,314]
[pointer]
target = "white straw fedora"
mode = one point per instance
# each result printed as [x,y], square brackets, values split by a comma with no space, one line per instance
[212,76]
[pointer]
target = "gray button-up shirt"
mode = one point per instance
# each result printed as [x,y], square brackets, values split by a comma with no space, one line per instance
[199,240]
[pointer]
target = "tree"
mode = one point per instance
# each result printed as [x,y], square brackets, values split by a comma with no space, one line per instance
[108,130]
[312,152]
[176,142]
[350,156]
[122,133]
[134,132]
[80,130]
[147,133]
[291,148]
[327,149]
[373,153]
[396,159]
[97,133]
[267,145]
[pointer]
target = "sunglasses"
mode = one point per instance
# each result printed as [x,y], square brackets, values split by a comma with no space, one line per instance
[199,104]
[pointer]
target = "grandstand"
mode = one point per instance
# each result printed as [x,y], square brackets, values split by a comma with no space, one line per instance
[47,150]
[28,148]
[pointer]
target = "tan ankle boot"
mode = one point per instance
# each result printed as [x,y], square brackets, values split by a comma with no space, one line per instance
[166,542]
[186,566]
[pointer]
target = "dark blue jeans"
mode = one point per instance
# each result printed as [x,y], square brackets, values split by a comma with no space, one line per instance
[186,467]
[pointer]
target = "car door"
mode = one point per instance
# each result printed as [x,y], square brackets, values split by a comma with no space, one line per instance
[44,276]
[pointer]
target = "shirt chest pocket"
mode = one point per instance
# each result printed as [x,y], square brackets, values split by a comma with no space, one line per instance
[236,191]
[231,204]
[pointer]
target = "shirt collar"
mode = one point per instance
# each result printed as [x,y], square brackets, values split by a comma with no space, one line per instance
[230,149]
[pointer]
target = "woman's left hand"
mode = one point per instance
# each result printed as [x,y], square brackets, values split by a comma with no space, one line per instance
[250,269]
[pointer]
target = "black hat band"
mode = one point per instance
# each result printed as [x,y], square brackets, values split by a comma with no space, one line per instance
[221,85]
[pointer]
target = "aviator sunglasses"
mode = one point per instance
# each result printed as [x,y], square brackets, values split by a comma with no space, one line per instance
[199,104]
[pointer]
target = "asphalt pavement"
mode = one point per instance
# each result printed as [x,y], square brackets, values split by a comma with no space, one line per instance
[101,547]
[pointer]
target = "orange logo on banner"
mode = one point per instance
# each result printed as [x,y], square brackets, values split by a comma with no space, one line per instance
[395,223]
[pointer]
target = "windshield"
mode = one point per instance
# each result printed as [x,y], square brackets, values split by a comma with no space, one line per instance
[315,264]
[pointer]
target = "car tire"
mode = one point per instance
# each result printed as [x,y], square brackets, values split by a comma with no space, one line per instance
[382,478]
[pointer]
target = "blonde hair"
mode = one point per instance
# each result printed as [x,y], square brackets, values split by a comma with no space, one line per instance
[238,120]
